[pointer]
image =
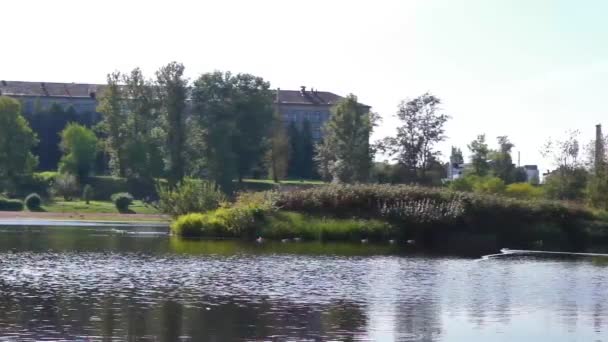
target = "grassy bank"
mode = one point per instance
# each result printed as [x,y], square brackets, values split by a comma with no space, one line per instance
[97,207]
[379,212]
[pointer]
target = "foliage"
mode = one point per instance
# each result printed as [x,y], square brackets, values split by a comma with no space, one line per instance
[87,193]
[142,128]
[501,162]
[456,156]
[189,196]
[489,185]
[479,156]
[232,112]
[278,154]
[564,152]
[48,123]
[33,202]
[425,207]
[301,161]
[345,151]
[524,191]
[422,128]
[113,124]
[566,184]
[66,186]
[172,87]
[79,145]
[10,204]
[122,201]
[16,141]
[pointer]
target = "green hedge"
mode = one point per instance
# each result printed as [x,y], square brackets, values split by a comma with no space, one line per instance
[10,204]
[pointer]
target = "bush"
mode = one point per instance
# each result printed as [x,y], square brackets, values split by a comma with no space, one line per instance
[66,186]
[106,186]
[87,193]
[122,201]
[523,191]
[189,196]
[33,202]
[10,204]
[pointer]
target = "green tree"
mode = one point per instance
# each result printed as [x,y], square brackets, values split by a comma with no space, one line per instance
[79,145]
[346,142]
[501,162]
[278,153]
[216,120]
[16,141]
[113,124]
[569,180]
[456,156]
[251,101]
[172,86]
[307,152]
[142,128]
[422,128]
[479,156]
[295,151]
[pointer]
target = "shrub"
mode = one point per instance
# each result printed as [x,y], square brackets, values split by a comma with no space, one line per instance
[189,196]
[489,186]
[122,201]
[523,191]
[87,193]
[66,186]
[33,202]
[10,204]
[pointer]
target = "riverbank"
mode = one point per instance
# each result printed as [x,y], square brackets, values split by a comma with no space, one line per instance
[429,216]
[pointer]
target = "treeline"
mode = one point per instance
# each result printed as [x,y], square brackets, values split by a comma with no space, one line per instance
[221,126]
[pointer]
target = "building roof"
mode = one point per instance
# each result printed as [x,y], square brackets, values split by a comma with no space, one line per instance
[49,89]
[82,90]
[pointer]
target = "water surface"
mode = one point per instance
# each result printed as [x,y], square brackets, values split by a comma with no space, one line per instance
[118,284]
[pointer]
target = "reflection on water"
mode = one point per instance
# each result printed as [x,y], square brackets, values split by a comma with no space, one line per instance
[76,283]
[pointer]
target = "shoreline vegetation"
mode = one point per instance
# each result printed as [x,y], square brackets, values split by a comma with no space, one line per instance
[397,213]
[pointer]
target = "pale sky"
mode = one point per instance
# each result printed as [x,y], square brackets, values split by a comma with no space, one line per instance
[529,69]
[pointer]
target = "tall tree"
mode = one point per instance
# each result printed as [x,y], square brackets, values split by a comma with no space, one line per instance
[142,128]
[48,123]
[346,141]
[212,107]
[79,145]
[172,88]
[278,153]
[295,151]
[501,161]
[16,141]
[479,156]
[456,156]
[422,128]
[252,104]
[113,125]
[307,151]
[568,181]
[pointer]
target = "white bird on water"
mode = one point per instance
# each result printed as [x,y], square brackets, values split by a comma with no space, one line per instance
[364,240]
[259,240]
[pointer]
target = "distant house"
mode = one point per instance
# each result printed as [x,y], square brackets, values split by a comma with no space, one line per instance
[532,174]
[456,170]
[315,106]
[294,105]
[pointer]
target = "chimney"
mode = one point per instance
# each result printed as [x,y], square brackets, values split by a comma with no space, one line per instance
[599,147]
[278,97]
[303,90]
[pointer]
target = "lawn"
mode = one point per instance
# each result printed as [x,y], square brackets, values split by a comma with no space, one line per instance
[94,207]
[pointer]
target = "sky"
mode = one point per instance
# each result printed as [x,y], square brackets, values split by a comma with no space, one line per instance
[528,69]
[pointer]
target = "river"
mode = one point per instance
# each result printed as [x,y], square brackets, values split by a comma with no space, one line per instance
[94,283]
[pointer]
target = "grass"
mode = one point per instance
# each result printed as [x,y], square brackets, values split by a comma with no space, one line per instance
[95,207]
